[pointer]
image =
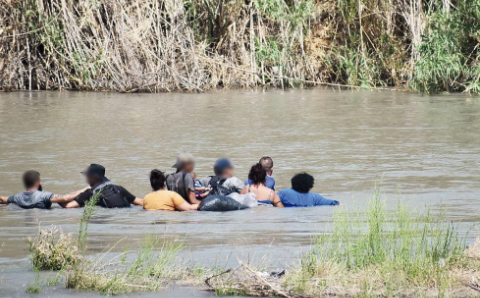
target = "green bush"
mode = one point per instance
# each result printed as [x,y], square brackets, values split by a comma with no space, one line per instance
[448,52]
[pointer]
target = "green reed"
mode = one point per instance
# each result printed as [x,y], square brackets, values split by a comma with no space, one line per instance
[407,252]
[88,211]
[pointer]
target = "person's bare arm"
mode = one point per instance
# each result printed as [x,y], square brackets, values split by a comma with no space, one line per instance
[206,193]
[72,204]
[138,202]
[244,190]
[187,207]
[192,198]
[276,201]
[67,198]
[3,200]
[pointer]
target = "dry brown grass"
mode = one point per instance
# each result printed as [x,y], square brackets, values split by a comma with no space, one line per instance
[53,250]
[193,45]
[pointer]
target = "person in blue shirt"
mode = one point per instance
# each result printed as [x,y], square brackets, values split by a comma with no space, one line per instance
[267,164]
[300,196]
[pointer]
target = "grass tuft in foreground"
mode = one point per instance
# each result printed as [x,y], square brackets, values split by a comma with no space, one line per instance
[53,250]
[151,269]
[35,287]
[397,253]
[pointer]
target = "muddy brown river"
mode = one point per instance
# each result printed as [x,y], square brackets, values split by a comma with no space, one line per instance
[424,150]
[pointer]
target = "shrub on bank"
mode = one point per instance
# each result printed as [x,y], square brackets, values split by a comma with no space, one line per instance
[53,250]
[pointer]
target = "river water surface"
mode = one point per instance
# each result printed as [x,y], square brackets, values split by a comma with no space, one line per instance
[425,150]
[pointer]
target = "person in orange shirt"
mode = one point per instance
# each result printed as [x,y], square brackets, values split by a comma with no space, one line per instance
[161,199]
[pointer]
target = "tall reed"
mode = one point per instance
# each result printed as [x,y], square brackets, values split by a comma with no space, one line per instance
[193,45]
[88,211]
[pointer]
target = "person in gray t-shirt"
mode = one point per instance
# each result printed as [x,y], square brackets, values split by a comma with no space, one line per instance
[182,181]
[35,197]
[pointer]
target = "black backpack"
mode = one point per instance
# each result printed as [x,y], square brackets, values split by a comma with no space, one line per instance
[111,197]
[216,183]
[171,185]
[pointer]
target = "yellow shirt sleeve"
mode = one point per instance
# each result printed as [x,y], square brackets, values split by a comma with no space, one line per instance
[177,199]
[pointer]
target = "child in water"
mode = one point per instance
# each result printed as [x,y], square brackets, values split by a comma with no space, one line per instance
[201,192]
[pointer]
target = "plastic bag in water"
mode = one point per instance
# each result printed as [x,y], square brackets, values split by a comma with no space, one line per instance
[220,203]
[249,199]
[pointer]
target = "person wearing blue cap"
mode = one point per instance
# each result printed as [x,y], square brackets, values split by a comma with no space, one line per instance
[223,183]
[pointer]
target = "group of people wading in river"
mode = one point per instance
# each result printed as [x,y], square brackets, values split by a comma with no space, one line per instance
[179,191]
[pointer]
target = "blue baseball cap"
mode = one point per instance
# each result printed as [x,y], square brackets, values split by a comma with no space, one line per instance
[221,165]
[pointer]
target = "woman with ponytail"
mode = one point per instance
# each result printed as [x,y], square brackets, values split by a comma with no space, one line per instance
[258,176]
[161,199]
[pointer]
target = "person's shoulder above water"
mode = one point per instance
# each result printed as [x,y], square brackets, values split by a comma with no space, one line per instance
[165,200]
[186,179]
[234,183]
[84,197]
[126,194]
[270,182]
[293,198]
[32,199]
[288,196]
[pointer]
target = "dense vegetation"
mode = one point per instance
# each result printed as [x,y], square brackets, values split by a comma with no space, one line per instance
[163,45]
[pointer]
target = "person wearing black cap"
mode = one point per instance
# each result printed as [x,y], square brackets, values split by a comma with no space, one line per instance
[182,181]
[224,183]
[35,196]
[109,194]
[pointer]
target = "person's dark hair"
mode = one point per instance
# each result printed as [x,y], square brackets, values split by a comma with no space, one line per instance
[257,174]
[157,179]
[266,162]
[302,182]
[30,178]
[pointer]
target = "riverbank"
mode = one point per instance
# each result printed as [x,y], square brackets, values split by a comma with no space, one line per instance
[194,46]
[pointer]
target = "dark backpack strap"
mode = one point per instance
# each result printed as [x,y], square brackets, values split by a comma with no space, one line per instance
[185,185]
[166,181]
[183,178]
